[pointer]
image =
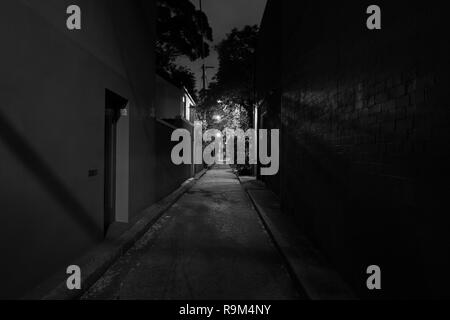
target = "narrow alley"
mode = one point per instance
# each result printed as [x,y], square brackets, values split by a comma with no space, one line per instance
[197,150]
[211,244]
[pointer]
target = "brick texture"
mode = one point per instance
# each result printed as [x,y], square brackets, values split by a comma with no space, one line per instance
[365,121]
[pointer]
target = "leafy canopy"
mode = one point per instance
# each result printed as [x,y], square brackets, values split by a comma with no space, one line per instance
[182,30]
[233,92]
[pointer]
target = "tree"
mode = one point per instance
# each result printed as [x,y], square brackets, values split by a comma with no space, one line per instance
[183,77]
[226,114]
[233,86]
[237,61]
[182,30]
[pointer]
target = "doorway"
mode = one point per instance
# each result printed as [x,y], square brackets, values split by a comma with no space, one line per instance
[116,157]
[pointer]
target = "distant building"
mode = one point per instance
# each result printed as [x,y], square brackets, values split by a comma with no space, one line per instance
[189,107]
[175,108]
[173,102]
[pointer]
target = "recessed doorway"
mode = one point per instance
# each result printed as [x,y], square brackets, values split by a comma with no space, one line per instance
[116,159]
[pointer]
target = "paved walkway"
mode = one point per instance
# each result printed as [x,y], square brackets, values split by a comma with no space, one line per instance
[209,245]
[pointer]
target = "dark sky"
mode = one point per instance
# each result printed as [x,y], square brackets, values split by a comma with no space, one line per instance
[223,16]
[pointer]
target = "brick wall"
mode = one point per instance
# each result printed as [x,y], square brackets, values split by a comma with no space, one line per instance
[365,123]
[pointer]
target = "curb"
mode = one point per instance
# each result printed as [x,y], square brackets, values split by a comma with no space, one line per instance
[97,261]
[306,265]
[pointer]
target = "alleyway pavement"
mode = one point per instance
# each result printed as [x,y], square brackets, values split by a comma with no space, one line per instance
[209,245]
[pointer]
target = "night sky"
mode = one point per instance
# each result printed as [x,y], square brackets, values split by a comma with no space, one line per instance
[223,16]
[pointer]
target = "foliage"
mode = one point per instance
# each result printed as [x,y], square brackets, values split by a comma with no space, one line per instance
[226,114]
[182,30]
[237,61]
[183,77]
[233,88]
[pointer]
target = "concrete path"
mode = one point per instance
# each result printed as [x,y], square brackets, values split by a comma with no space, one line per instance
[209,245]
